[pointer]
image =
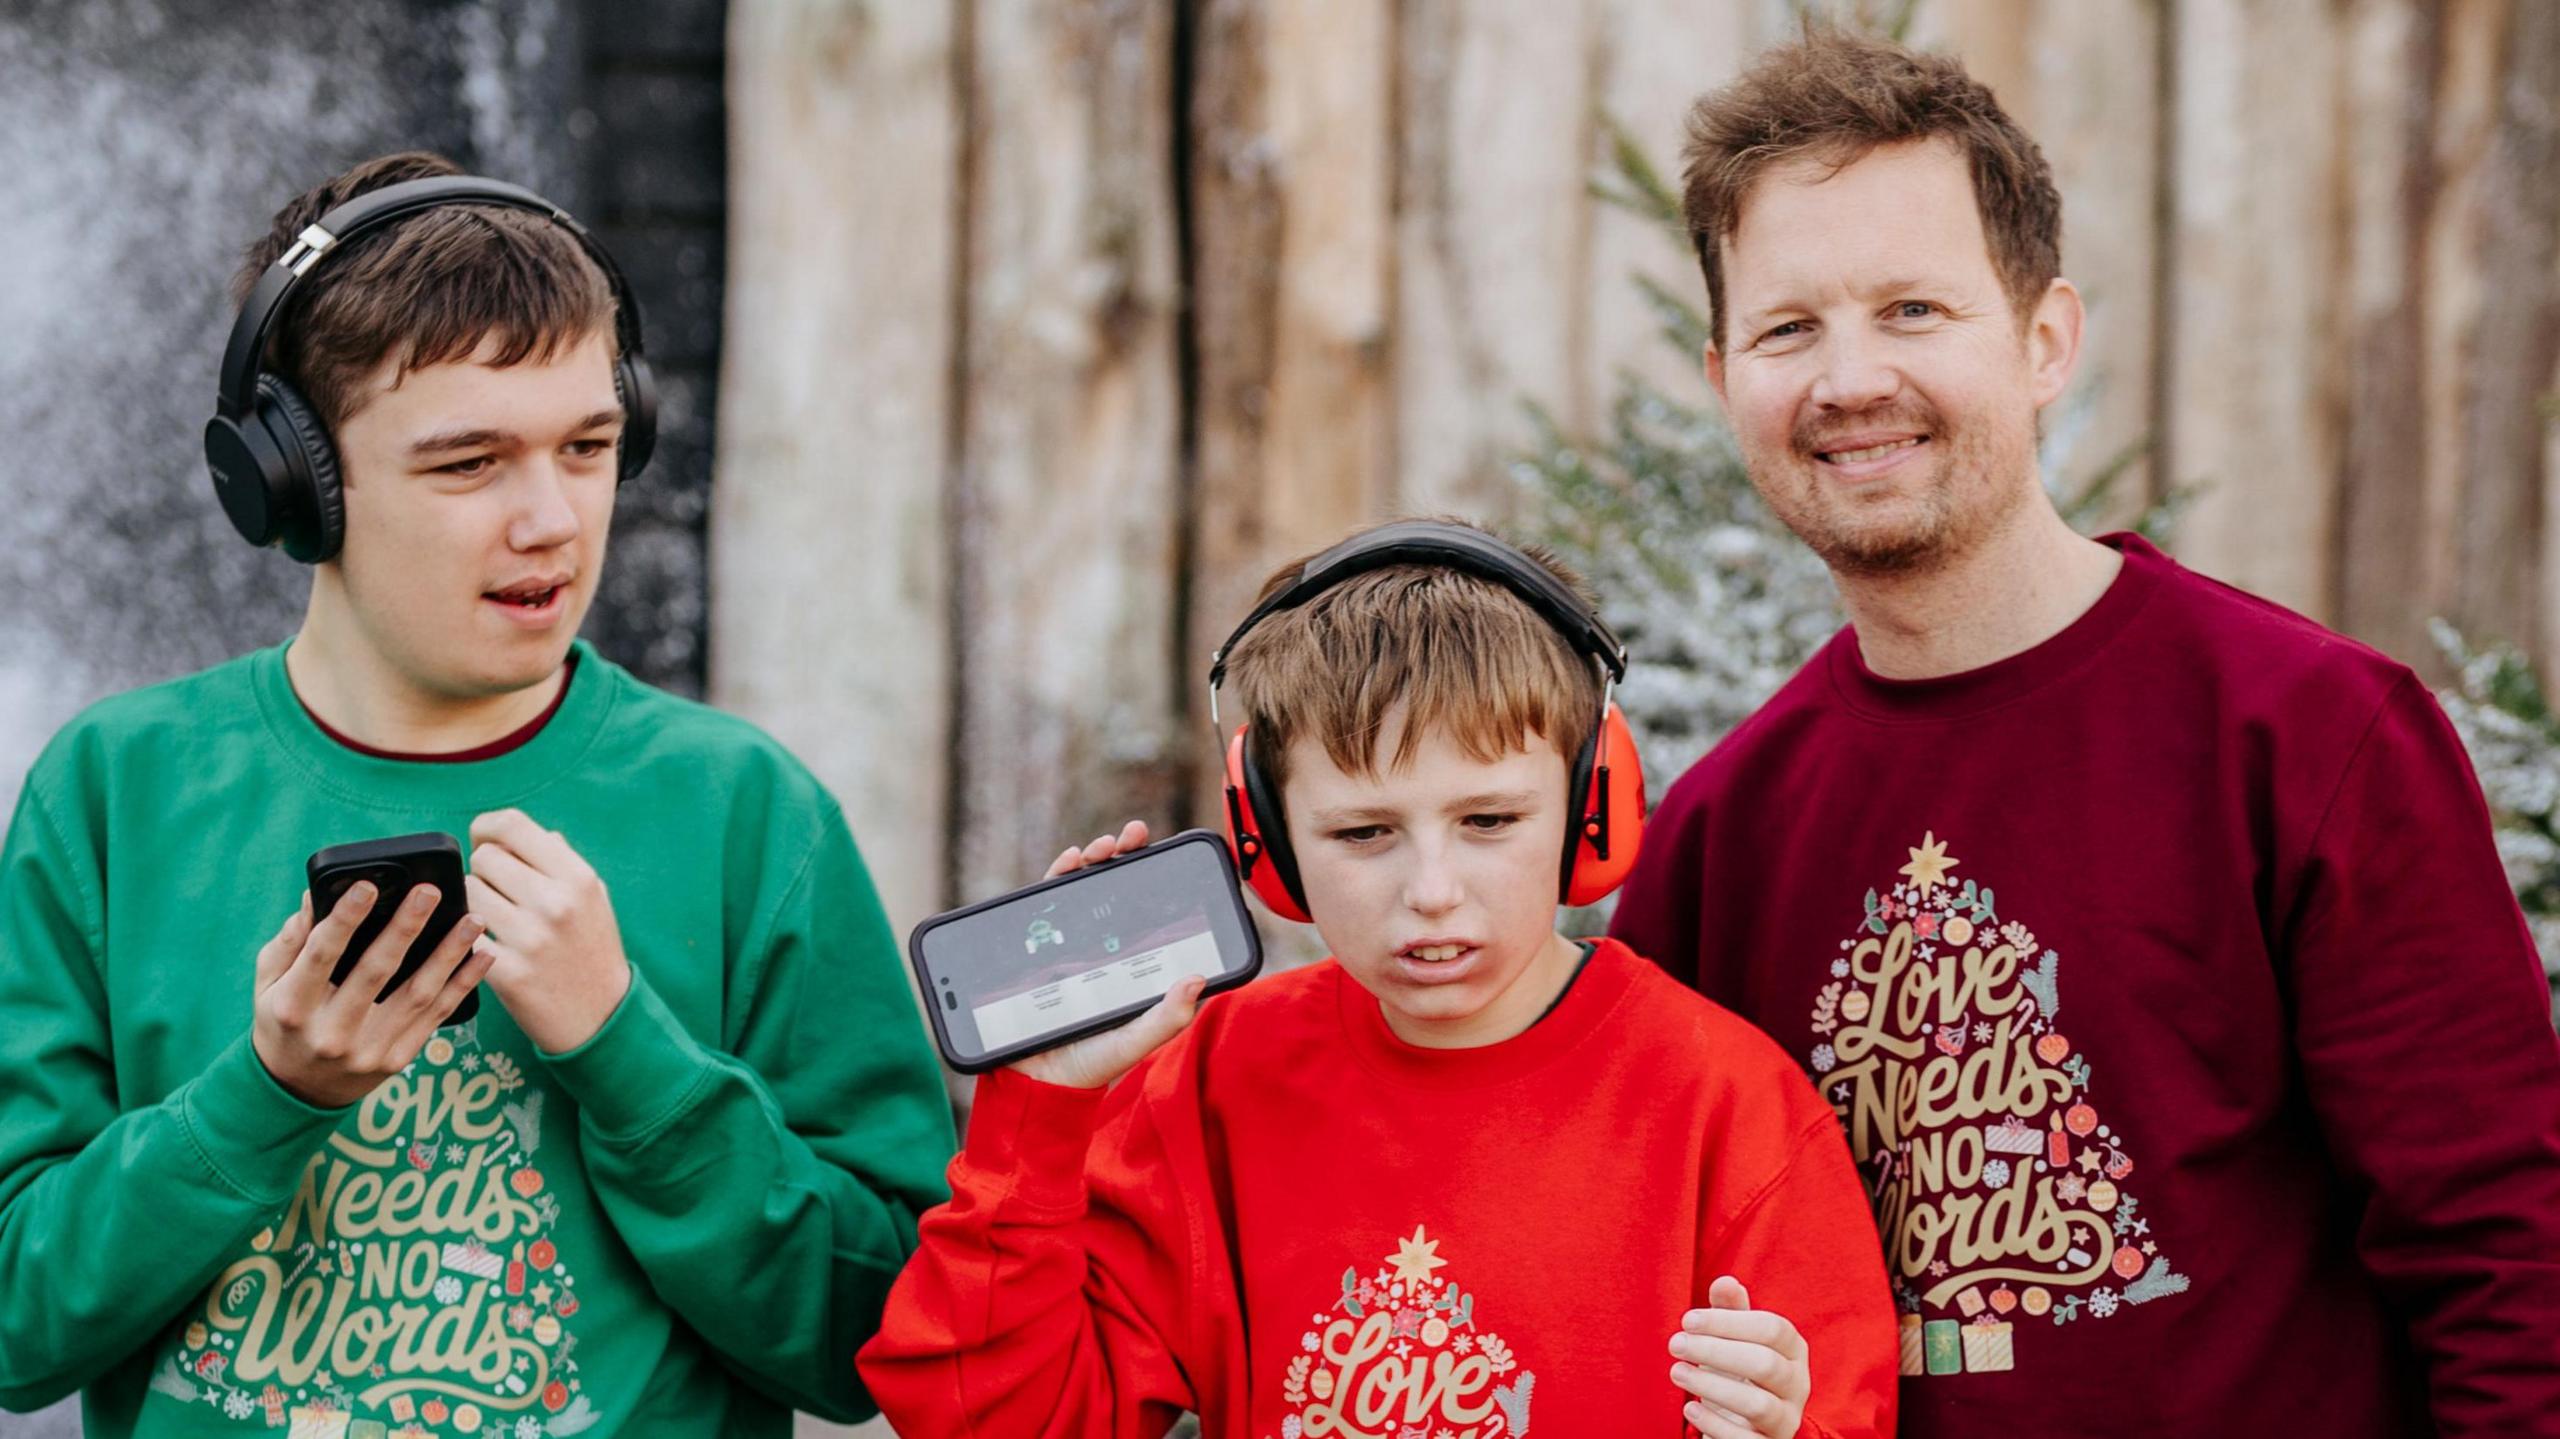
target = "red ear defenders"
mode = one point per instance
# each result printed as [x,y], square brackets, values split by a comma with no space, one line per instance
[273,464]
[1599,848]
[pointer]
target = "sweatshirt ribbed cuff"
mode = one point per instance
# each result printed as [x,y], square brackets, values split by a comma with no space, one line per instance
[1035,1134]
[250,1130]
[639,1070]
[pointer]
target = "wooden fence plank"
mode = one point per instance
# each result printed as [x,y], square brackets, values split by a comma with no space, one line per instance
[2250,409]
[1070,426]
[827,534]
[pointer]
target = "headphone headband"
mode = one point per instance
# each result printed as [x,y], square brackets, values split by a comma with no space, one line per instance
[1457,547]
[245,354]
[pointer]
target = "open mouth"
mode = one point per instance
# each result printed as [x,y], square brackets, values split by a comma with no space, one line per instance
[531,597]
[1437,952]
[1868,453]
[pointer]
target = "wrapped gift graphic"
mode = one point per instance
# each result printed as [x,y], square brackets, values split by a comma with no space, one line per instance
[318,1421]
[1911,1345]
[1940,1350]
[473,1258]
[2011,1136]
[1971,1302]
[1988,1349]
[368,1429]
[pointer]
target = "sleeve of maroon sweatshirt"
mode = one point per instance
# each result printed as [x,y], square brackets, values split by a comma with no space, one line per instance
[2424,1032]
[1047,1297]
[1805,1246]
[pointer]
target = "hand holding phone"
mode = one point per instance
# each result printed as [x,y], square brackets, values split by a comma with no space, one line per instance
[1075,979]
[395,867]
[1096,1060]
[330,1043]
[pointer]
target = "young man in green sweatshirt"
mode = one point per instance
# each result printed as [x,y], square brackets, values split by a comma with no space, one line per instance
[660,1184]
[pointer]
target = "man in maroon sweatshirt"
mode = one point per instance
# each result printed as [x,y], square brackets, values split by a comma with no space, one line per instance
[2149,940]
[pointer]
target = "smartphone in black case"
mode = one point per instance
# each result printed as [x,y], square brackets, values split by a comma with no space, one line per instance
[394,865]
[1008,977]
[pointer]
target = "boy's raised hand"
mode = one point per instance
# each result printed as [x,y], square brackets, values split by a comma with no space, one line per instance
[1097,1060]
[558,961]
[1745,1369]
[329,1045]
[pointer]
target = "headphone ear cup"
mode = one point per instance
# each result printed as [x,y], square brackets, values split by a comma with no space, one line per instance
[637,387]
[311,519]
[1263,858]
[1609,829]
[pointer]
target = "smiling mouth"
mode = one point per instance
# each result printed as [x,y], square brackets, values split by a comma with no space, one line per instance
[1871,452]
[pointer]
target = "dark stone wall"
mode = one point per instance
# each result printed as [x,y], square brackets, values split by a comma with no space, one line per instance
[147,143]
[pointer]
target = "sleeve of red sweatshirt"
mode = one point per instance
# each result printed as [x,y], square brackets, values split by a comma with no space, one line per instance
[2424,1033]
[1804,1245]
[1054,1294]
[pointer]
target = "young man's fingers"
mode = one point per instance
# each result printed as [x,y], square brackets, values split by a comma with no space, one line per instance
[328,938]
[449,956]
[495,910]
[374,969]
[1751,1363]
[447,998]
[498,866]
[277,955]
[1727,1293]
[545,850]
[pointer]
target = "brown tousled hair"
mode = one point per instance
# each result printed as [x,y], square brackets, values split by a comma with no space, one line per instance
[1833,97]
[1462,655]
[425,291]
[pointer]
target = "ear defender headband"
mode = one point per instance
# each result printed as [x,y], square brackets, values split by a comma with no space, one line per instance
[273,464]
[1599,848]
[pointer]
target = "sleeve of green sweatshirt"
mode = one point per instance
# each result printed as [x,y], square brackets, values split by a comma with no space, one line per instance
[770,1187]
[111,1219]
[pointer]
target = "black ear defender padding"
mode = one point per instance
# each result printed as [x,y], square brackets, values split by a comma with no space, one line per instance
[274,466]
[1271,823]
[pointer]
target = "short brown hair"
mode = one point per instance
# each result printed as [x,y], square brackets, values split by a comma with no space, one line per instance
[1464,655]
[427,290]
[1835,96]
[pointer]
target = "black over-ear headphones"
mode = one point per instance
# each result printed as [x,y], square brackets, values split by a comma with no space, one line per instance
[273,464]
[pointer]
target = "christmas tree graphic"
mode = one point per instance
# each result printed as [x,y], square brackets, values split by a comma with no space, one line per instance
[1401,1353]
[413,1288]
[1999,1185]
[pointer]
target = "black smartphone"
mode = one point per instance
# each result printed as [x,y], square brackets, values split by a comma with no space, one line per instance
[1011,976]
[394,865]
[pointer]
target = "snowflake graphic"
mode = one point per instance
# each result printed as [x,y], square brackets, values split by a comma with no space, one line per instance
[237,1405]
[1982,1033]
[1824,1059]
[1996,1174]
[1307,1341]
[2068,1189]
[1464,1344]
[1839,969]
[2102,1302]
[453,1154]
[448,1290]
[1938,1269]
[528,1427]
[470,1062]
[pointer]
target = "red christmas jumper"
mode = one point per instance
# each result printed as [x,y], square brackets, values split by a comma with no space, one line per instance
[2167,982]
[1296,1224]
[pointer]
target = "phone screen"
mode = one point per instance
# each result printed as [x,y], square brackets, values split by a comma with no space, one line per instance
[1069,956]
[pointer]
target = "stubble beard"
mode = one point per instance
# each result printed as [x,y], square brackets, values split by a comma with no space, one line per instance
[1972,489]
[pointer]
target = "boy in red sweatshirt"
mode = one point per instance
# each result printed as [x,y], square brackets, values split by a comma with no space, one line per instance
[1465,1179]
